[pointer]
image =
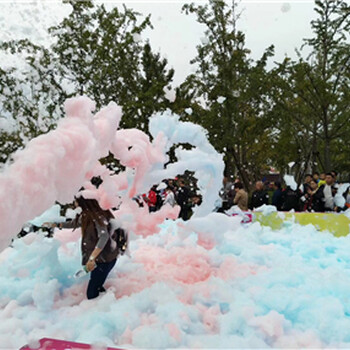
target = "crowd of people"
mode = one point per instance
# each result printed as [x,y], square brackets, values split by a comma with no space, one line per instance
[173,192]
[316,194]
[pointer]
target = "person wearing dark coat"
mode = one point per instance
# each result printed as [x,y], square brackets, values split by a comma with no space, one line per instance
[306,185]
[182,198]
[259,196]
[277,196]
[314,198]
[290,199]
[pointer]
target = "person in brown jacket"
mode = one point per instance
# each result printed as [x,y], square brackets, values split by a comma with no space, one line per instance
[99,250]
[241,197]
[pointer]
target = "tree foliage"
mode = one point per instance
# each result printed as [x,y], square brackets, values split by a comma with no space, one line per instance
[95,51]
[234,90]
[297,111]
[315,89]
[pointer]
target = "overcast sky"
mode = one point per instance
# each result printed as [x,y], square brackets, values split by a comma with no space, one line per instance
[175,34]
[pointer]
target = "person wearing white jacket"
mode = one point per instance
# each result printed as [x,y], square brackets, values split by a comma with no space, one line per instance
[169,197]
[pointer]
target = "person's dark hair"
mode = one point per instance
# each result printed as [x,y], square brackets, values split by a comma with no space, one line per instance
[199,198]
[92,212]
[96,181]
[329,174]
[308,175]
[238,185]
[316,173]
[278,184]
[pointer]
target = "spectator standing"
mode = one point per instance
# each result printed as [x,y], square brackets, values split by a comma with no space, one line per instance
[151,199]
[172,184]
[314,198]
[290,199]
[169,196]
[195,200]
[182,198]
[306,185]
[329,192]
[316,177]
[227,194]
[260,196]
[241,197]
[335,175]
[277,196]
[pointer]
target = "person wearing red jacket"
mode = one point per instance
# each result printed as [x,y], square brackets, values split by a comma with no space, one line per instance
[151,199]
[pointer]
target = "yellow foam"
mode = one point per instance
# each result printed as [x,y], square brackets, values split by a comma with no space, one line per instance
[337,224]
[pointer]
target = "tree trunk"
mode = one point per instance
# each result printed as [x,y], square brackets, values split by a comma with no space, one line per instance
[314,149]
[321,161]
[242,173]
[327,155]
[229,166]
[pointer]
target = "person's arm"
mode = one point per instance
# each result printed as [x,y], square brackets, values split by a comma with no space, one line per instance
[103,236]
[68,224]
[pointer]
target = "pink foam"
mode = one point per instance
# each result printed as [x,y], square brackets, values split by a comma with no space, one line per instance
[174,331]
[189,267]
[182,264]
[55,164]
[271,324]
[210,319]
[126,337]
[206,240]
[230,267]
[144,223]
[134,150]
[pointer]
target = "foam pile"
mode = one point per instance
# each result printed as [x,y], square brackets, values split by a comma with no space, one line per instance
[206,283]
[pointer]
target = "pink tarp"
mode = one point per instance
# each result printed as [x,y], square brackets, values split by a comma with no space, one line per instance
[246,217]
[54,344]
